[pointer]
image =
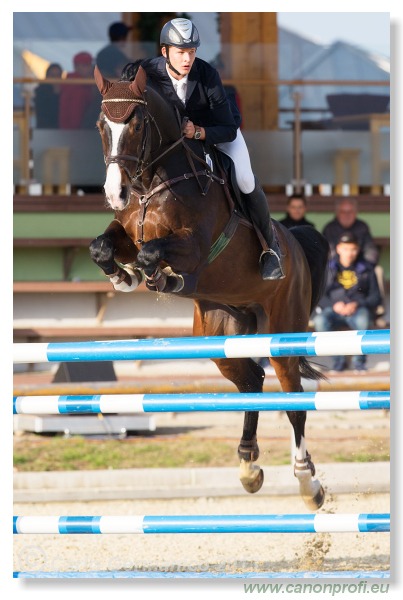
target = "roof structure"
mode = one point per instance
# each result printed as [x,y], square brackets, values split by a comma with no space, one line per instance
[58,36]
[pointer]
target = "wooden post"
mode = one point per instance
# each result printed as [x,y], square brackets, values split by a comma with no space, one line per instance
[250,60]
[298,182]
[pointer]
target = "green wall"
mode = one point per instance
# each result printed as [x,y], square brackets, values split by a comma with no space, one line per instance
[46,264]
[60,225]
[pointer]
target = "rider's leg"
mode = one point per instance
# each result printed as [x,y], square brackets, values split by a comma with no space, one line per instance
[256,201]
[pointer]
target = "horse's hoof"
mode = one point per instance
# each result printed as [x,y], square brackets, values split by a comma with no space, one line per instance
[315,502]
[319,498]
[310,489]
[253,485]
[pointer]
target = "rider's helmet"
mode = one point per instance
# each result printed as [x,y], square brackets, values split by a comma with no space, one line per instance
[180,33]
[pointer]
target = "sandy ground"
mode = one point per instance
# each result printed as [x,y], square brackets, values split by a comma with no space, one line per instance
[278,553]
[205,552]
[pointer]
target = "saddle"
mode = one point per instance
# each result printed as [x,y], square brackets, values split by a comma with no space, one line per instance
[225,166]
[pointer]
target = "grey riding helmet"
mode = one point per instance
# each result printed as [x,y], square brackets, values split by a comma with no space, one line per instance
[180,33]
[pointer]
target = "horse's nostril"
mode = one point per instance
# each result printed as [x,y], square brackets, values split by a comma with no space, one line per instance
[123,192]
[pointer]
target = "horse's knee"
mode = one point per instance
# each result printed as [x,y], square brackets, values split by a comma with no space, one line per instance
[149,256]
[101,250]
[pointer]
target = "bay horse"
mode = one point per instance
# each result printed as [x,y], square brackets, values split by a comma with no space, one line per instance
[176,226]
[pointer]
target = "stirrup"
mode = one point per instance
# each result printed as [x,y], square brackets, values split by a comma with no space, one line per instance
[276,271]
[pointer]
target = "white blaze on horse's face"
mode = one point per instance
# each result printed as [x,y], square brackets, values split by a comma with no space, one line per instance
[113,182]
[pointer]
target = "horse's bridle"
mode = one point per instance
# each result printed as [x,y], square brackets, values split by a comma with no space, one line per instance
[144,199]
[119,158]
[141,164]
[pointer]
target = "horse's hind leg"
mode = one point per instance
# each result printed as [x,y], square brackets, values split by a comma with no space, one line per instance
[248,376]
[312,493]
[245,373]
[310,489]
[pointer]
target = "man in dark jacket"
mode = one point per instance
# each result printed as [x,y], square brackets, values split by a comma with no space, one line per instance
[346,221]
[351,295]
[112,58]
[195,88]
[296,209]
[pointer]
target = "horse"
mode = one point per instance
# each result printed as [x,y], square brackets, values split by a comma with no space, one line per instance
[177,227]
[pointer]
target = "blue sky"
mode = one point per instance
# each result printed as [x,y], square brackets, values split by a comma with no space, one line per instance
[368,30]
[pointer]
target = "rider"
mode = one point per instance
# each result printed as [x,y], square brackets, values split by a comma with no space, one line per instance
[200,96]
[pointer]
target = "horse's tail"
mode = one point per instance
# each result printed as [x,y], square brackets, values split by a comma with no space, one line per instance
[316,250]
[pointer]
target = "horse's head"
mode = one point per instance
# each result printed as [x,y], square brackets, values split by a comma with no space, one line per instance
[130,133]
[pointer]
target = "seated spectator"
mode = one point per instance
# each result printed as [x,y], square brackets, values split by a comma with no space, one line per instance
[296,210]
[75,98]
[346,221]
[46,99]
[351,296]
[112,58]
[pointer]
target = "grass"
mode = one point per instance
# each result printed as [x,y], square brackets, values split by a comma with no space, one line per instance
[42,453]
[78,453]
[362,457]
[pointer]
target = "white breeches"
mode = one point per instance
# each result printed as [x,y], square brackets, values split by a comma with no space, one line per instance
[238,151]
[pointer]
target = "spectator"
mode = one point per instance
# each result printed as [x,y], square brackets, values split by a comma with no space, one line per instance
[346,221]
[296,210]
[75,98]
[112,58]
[351,296]
[46,99]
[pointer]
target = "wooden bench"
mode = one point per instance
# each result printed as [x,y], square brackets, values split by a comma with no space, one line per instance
[96,333]
[69,246]
[63,287]
[104,292]
[382,242]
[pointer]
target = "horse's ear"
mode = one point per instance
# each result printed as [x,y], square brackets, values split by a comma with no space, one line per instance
[139,84]
[102,84]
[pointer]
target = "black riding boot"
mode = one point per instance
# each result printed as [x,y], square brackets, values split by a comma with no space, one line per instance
[270,264]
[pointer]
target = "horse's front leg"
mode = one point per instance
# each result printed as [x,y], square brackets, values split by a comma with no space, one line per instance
[115,245]
[171,263]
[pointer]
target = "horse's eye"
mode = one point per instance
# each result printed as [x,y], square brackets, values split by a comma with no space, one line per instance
[138,127]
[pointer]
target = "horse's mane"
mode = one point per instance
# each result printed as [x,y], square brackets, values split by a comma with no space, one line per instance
[129,71]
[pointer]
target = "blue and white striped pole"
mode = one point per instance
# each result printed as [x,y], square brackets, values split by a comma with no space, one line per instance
[338,343]
[201,575]
[299,523]
[210,402]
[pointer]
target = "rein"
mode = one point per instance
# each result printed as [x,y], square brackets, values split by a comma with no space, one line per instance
[144,199]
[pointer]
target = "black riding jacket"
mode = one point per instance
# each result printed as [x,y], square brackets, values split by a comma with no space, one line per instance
[206,105]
